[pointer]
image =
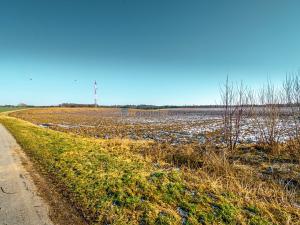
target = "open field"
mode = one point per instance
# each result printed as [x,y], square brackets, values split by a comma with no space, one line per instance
[173,126]
[154,179]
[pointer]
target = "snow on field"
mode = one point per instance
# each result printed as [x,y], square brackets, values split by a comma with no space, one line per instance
[173,126]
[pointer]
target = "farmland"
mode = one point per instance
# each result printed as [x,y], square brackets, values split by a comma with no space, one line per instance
[172,126]
[162,166]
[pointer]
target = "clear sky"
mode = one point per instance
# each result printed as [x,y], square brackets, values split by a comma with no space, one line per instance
[142,51]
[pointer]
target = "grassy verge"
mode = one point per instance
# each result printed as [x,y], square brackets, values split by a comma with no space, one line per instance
[110,184]
[9,109]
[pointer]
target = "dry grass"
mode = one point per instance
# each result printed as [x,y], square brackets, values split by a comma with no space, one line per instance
[139,182]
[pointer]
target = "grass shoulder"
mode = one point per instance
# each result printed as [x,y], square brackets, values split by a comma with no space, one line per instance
[108,183]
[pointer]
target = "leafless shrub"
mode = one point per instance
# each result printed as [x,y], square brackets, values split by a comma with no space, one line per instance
[234,101]
[291,87]
[267,116]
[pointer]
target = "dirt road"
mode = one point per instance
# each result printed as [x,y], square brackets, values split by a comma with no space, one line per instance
[19,200]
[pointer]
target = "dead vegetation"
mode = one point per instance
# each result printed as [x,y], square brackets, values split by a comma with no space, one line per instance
[262,175]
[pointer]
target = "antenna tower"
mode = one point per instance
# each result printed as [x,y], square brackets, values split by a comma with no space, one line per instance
[95,93]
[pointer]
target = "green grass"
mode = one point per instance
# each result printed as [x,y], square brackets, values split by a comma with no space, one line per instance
[5,109]
[110,184]
[8,109]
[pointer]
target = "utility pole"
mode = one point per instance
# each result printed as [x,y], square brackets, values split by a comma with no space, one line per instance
[95,93]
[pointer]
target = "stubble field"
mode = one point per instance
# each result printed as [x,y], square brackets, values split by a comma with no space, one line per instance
[253,184]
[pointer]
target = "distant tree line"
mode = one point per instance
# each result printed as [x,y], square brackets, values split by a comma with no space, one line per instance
[142,106]
[153,107]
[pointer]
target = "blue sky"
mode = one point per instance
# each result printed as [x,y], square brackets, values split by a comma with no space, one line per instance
[141,51]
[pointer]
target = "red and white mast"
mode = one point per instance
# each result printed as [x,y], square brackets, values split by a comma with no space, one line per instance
[95,93]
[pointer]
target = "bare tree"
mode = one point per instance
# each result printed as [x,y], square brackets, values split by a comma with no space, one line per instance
[262,111]
[268,115]
[234,100]
[291,87]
